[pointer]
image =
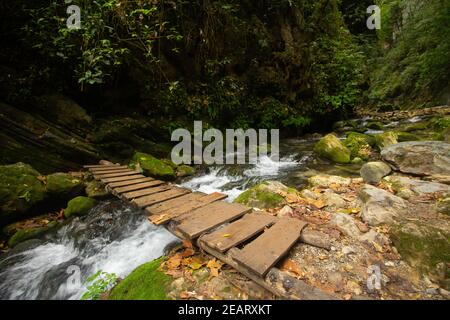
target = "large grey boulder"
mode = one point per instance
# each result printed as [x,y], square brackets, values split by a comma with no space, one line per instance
[423,158]
[373,172]
[380,207]
[419,187]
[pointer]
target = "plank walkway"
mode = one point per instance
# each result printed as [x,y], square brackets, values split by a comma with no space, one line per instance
[251,242]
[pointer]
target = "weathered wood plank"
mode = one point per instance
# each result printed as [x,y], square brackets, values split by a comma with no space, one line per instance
[129,182]
[118,179]
[169,214]
[102,171]
[145,192]
[266,250]
[174,203]
[113,175]
[100,166]
[211,216]
[239,231]
[138,186]
[159,197]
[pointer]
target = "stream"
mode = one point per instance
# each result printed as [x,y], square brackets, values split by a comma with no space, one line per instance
[117,238]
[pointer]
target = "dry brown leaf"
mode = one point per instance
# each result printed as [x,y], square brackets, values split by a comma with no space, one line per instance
[188,252]
[214,267]
[174,261]
[187,244]
[194,263]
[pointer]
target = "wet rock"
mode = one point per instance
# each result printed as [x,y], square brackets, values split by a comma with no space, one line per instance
[373,172]
[324,180]
[330,147]
[264,195]
[385,139]
[184,171]
[28,233]
[424,158]
[380,206]
[79,206]
[153,167]
[21,189]
[346,224]
[407,136]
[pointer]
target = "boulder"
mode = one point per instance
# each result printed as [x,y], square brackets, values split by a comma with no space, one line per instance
[28,233]
[425,247]
[330,147]
[423,158]
[360,145]
[185,171]
[63,186]
[264,195]
[380,206]
[373,172]
[79,206]
[385,139]
[21,189]
[418,187]
[346,224]
[153,167]
[325,180]
[96,190]
[333,200]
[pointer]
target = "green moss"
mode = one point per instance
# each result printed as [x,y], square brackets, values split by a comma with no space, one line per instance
[63,185]
[96,190]
[154,167]
[29,233]
[330,147]
[79,206]
[386,139]
[406,136]
[260,197]
[360,145]
[422,246]
[184,171]
[374,125]
[20,191]
[417,127]
[145,283]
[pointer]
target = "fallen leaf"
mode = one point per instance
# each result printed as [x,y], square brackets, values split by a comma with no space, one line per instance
[188,252]
[174,261]
[187,244]
[42,179]
[194,263]
[377,247]
[226,235]
[214,267]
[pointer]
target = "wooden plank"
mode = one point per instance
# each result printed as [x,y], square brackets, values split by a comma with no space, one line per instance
[102,171]
[113,175]
[145,192]
[211,216]
[138,186]
[100,166]
[159,197]
[266,250]
[239,231]
[169,214]
[117,179]
[129,182]
[174,203]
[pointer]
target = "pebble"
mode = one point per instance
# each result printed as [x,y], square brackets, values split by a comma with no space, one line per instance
[389,264]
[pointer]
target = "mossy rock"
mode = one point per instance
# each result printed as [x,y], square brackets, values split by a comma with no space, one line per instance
[64,186]
[386,139]
[261,196]
[30,233]
[146,282]
[184,171]
[79,206]
[330,147]
[374,125]
[417,127]
[360,145]
[154,167]
[20,191]
[406,136]
[96,190]
[424,247]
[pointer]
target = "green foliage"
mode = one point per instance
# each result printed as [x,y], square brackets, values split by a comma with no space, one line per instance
[99,283]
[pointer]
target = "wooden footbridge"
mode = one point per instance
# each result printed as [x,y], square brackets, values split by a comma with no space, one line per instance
[250,242]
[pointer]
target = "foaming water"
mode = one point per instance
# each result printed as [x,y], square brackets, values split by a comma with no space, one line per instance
[114,238]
